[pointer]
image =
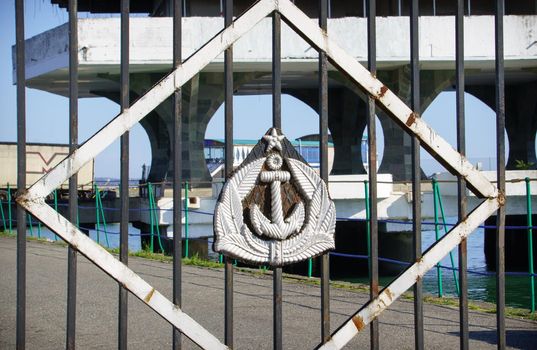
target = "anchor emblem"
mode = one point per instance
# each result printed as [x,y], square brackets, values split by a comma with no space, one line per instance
[277,228]
[249,227]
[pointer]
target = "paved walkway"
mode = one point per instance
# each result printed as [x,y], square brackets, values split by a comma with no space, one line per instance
[203,300]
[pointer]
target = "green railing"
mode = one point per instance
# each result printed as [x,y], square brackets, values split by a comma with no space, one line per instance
[437,198]
[439,223]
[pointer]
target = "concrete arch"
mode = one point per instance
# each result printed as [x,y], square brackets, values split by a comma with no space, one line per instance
[520,118]
[345,122]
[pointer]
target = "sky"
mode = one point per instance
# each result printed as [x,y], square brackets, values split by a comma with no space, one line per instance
[47,114]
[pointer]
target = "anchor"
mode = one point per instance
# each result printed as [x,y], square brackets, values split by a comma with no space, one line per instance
[278,228]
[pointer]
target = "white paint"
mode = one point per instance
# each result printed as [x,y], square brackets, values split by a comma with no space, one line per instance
[352,186]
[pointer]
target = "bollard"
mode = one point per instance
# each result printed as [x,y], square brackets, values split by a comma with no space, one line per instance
[186,219]
[310,267]
[530,243]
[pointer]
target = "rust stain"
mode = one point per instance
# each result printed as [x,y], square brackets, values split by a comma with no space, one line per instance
[501,199]
[419,260]
[418,278]
[149,295]
[383,90]
[358,322]
[389,294]
[411,119]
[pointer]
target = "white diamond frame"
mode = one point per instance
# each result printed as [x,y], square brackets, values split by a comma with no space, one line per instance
[33,199]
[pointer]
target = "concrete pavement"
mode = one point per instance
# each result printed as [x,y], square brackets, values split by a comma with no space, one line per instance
[203,296]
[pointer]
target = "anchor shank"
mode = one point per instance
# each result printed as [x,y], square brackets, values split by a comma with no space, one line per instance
[276,203]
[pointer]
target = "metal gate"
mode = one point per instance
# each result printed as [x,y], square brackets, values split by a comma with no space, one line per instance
[379,96]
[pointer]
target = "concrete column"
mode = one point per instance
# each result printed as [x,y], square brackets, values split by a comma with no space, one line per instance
[520,118]
[202,96]
[396,159]
[346,121]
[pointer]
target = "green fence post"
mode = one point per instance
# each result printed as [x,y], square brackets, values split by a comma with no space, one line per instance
[9,209]
[38,229]
[367,225]
[30,223]
[530,243]
[150,195]
[437,237]
[310,267]
[3,215]
[446,231]
[104,221]
[186,219]
[97,219]
[56,208]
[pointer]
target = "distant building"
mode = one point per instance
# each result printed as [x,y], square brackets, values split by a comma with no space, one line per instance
[306,146]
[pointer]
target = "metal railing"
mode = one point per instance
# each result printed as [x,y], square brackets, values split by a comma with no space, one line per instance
[378,96]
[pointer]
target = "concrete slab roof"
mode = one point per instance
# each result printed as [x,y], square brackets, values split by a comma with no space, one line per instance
[151,48]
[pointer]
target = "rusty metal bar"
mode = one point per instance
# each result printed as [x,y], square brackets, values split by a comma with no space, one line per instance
[416,271]
[73,188]
[372,170]
[277,309]
[276,71]
[177,168]
[277,123]
[21,174]
[124,175]
[228,135]
[500,172]
[461,183]
[323,146]
[416,170]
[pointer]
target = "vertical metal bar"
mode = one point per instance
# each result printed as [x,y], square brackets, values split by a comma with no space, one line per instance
[323,140]
[277,309]
[228,134]
[277,123]
[500,172]
[372,169]
[21,176]
[461,183]
[529,213]
[73,190]
[416,171]
[276,71]
[469,7]
[124,175]
[177,168]
[186,219]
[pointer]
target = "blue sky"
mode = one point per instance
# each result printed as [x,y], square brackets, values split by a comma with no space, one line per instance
[47,114]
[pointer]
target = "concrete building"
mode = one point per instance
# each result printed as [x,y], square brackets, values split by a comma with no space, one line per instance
[151,53]
[151,59]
